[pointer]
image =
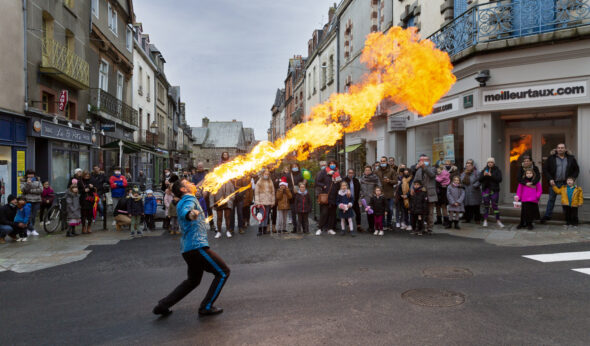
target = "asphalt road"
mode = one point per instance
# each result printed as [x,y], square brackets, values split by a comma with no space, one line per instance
[329,290]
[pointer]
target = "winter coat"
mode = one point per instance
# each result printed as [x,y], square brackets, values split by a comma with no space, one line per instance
[333,195]
[293,179]
[47,195]
[86,198]
[265,192]
[135,206]
[73,208]
[428,177]
[121,207]
[99,180]
[379,205]
[577,197]
[150,205]
[529,194]
[472,189]
[32,190]
[521,175]
[194,232]
[225,190]
[23,214]
[171,211]
[168,198]
[357,188]
[444,178]
[368,185]
[550,168]
[283,199]
[240,183]
[322,182]
[344,199]
[491,182]
[419,203]
[388,187]
[403,189]
[118,185]
[249,193]
[302,202]
[455,194]
[8,214]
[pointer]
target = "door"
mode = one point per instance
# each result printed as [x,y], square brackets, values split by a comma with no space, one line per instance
[536,143]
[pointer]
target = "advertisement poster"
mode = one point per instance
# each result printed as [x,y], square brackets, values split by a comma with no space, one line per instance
[443,148]
[20,169]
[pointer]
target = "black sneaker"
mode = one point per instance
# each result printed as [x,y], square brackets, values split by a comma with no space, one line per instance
[212,311]
[160,310]
[544,220]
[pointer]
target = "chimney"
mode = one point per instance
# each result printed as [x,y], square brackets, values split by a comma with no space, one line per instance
[205,122]
[233,120]
[331,12]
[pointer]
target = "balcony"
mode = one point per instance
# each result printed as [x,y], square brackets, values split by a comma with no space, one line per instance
[297,116]
[111,108]
[504,20]
[64,64]
[148,138]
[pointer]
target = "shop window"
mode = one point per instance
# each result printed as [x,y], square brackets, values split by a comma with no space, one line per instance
[441,141]
[48,102]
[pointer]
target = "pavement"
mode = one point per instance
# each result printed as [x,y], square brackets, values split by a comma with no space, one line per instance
[307,290]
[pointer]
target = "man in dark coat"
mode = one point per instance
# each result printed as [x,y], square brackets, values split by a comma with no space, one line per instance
[7,214]
[558,167]
[293,179]
[355,189]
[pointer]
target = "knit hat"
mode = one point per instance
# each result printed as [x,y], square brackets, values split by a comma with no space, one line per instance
[149,191]
[77,170]
[74,181]
[491,159]
[284,182]
[10,198]
[336,177]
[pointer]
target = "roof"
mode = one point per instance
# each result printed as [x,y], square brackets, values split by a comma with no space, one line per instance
[199,135]
[249,135]
[225,134]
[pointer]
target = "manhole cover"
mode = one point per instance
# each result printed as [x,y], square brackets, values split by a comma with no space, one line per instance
[433,297]
[447,273]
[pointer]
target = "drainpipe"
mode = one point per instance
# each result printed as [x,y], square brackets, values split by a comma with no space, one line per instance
[25,55]
[338,86]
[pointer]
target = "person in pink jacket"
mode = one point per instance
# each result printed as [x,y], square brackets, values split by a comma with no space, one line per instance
[443,180]
[529,196]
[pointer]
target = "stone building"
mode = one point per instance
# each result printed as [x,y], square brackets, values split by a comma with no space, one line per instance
[277,123]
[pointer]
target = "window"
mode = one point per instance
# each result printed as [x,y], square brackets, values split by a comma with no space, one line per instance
[148,87]
[129,39]
[47,26]
[103,76]
[95,8]
[324,75]
[119,85]
[331,69]
[460,7]
[70,41]
[113,19]
[48,102]
[70,111]
[309,85]
[411,22]
[314,80]
[140,120]
[140,77]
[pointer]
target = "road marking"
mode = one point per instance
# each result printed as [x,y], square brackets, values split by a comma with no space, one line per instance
[561,256]
[582,270]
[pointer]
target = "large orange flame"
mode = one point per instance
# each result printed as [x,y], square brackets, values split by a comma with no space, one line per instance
[403,68]
[524,143]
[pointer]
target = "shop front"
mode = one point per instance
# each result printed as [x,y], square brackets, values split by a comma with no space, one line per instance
[13,142]
[367,145]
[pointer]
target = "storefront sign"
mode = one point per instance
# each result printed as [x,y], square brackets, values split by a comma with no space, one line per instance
[397,123]
[535,93]
[108,127]
[20,169]
[468,101]
[445,107]
[63,100]
[65,133]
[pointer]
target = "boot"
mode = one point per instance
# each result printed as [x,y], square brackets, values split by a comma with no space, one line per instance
[69,233]
[274,228]
[259,231]
[438,220]
[448,225]
[265,230]
[456,222]
[446,221]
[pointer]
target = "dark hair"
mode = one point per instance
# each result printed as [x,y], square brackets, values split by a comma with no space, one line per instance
[572,178]
[524,157]
[10,198]
[369,167]
[21,198]
[176,188]
[334,162]
[46,181]
[173,178]
[117,168]
[418,181]
[30,171]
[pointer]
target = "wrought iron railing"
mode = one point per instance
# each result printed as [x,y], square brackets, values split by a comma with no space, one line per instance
[109,104]
[148,138]
[56,56]
[297,116]
[510,19]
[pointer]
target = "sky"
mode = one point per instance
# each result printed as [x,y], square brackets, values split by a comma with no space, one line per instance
[230,56]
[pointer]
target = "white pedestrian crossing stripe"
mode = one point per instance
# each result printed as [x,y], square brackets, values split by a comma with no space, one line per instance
[563,257]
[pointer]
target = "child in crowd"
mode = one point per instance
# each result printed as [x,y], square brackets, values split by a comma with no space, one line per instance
[443,180]
[22,218]
[528,195]
[345,212]
[572,197]
[403,198]
[379,205]
[73,209]
[172,216]
[135,210]
[47,197]
[418,208]
[456,199]
[284,197]
[150,206]
[87,202]
[303,207]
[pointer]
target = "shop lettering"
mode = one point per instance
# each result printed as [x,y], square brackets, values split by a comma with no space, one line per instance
[535,93]
[442,108]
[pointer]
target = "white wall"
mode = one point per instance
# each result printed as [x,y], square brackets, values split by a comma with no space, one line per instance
[141,101]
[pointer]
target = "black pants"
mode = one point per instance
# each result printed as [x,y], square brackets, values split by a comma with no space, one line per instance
[44,207]
[273,215]
[418,225]
[149,221]
[198,261]
[571,215]
[323,224]
[294,215]
[371,221]
[472,213]
[303,222]
[357,213]
[332,217]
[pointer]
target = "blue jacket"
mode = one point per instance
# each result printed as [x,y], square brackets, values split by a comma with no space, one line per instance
[22,215]
[194,232]
[150,205]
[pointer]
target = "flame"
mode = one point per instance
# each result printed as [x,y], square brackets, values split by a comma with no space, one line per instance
[524,143]
[226,199]
[403,68]
[209,218]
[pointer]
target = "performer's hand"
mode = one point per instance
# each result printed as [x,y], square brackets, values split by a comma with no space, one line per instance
[194,214]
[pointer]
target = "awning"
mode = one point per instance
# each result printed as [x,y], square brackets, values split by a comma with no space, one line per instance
[128,147]
[350,148]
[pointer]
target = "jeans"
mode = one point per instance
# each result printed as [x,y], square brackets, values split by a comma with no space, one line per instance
[403,215]
[357,212]
[44,207]
[149,221]
[282,220]
[551,201]
[199,261]
[332,213]
[389,216]
[35,206]
[6,230]
[100,208]
[237,212]
[223,214]
[303,222]
[135,222]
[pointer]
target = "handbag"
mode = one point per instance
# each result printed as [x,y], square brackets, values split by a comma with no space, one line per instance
[323,198]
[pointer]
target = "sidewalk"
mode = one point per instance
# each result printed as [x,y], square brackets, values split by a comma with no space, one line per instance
[45,251]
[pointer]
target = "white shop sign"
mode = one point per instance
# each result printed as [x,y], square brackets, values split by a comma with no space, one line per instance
[535,93]
[445,107]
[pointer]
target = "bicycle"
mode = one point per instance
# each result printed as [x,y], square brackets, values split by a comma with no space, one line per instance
[55,216]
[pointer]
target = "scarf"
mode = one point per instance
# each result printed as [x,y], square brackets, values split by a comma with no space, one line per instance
[406,189]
